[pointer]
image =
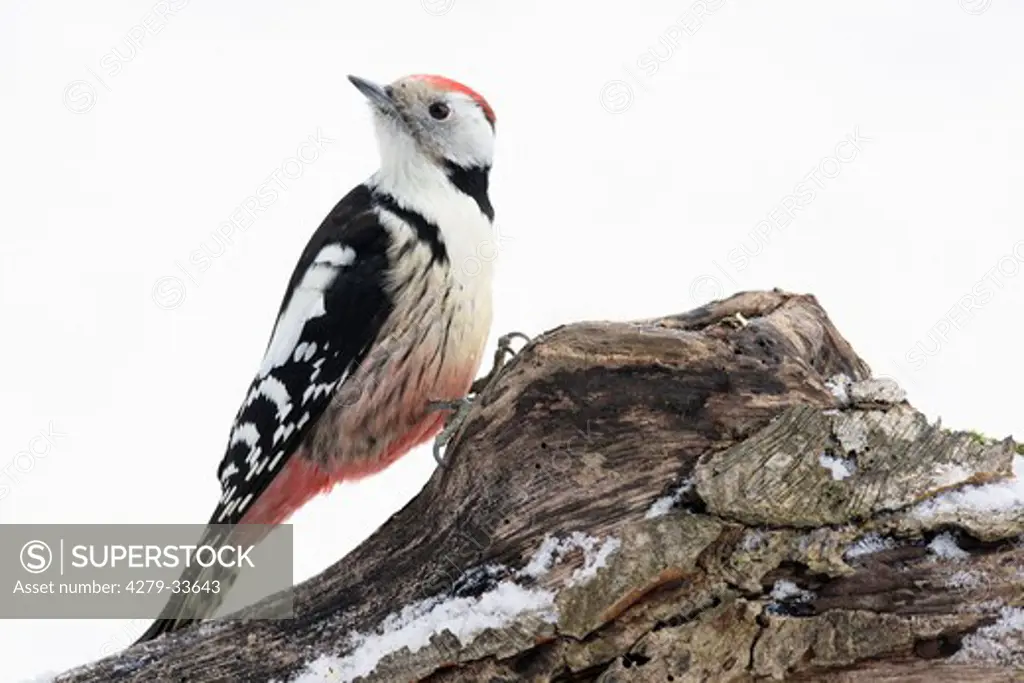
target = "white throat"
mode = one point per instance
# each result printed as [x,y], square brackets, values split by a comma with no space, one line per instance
[418,184]
[405,171]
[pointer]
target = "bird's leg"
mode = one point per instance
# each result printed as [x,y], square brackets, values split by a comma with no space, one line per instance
[501,356]
[451,424]
[461,406]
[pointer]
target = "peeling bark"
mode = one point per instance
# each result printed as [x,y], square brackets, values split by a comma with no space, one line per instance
[766,470]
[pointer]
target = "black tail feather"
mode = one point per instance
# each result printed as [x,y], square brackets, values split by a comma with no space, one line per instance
[162,626]
[198,606]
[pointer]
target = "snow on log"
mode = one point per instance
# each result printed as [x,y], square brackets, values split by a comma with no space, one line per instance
[720,495]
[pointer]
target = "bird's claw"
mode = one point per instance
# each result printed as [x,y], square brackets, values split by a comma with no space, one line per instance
[456,405]
[505,340]
[501,355]
[461,408]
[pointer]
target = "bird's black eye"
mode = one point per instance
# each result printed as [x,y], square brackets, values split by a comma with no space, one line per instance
[439,110]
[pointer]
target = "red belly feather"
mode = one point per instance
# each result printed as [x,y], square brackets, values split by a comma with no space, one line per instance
[302,479]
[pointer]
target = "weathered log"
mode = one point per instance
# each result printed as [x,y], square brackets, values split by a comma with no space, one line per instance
[698,497]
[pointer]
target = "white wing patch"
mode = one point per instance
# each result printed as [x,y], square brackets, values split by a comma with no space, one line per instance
[315,390]
[336,255]
[305,303]
[230,470]
[229,494]
[246,433]
[277,459]
[275,390]
[304,351]
[249,434]
[283,432]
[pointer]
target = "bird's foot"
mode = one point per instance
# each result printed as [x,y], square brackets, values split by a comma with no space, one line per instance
[460,409]
[501,356]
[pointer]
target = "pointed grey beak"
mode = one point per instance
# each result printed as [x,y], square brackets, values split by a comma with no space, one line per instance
[377,95]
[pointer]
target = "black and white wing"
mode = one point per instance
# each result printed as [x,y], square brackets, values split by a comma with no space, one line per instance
[331,314]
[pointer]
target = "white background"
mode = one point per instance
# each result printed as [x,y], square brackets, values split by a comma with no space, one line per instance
[624,187]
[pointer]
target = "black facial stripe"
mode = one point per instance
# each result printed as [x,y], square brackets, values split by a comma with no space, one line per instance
[473,182]
[425,230]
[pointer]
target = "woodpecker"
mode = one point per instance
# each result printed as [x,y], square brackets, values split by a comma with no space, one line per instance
[386,314]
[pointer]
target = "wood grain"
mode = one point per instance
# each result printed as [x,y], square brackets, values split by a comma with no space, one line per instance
[587,427]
